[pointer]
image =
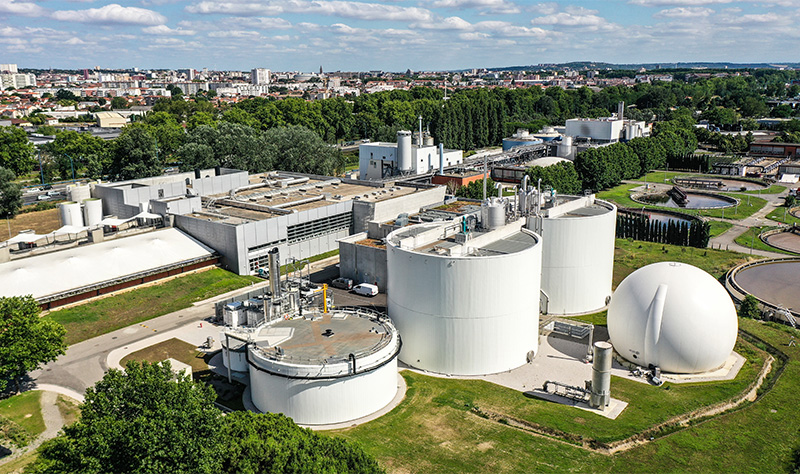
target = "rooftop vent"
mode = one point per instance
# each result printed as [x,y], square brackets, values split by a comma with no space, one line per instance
[328,332]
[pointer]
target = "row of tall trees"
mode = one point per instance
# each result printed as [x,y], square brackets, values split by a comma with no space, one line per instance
[674,232]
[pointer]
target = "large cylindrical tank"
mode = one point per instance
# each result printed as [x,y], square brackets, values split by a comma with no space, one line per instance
[238,353]
[404,160]
[78,193]
[466,315]
[673,316]
[578,255]
[496,214]
[71,214]
[352,374]
[92,211]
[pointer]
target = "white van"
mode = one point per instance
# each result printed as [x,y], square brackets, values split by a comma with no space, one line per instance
[365,289]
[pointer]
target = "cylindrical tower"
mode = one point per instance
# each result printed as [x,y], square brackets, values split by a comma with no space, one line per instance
[457,308]
[601,375]
[78,193]
[274,272]
[578,255]
[92,211]
[71,214]
[404,160]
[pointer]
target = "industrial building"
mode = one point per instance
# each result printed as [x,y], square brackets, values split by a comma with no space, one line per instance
[459,293]
[521,138]
[381,160]
[316,365]
[673,316]
[607,129]
[242,216]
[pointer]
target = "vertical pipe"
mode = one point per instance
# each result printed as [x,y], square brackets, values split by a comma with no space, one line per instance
[325,298]
[601,375]
[485,169]
[419,143]
[441,158]
[274,273]
[228,345]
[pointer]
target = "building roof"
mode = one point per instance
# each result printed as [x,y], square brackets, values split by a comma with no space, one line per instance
[86,265]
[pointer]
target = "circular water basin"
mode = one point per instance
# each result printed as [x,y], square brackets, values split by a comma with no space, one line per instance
[774,282]
[695,201]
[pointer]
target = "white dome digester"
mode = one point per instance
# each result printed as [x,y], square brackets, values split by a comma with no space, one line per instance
[674,316]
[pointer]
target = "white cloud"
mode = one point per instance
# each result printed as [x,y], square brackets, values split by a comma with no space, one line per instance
[74,41]
[489,6]
[339,8]
[261,23]
[164,30]
[449,23]
[234,34]
[661,3]
[112,14]
[21,8]
[684,12]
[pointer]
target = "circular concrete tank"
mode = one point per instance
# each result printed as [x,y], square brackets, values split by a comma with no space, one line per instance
[324,368]
[674,316]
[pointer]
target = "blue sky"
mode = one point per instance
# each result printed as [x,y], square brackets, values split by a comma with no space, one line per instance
[393,35]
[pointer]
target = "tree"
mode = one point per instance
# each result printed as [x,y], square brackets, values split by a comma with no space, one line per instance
[63,94]
[10,194]
[143,419]
[134,155]
[474,190]
[301,150]
[89,154]
[560,176]
[16,152]
[119,103]
[789,200]
[272,443]
[749,308]
[26,340]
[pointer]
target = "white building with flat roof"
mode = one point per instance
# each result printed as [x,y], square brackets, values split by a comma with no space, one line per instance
[259,76]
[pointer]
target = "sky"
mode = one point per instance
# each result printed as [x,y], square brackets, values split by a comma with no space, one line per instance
[391,35]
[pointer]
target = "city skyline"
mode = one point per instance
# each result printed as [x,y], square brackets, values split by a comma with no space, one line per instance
[391,35]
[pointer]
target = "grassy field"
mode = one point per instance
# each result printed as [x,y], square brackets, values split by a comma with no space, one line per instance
[747,206]
[751,238]
[630,255]
[42,222]
[718,228]
[17,466]
[115,312]
[172,348]
[781,215]
[436,428]
[68,408]
[21,418]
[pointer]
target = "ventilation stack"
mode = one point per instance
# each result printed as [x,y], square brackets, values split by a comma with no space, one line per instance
[274,273]
[601,375]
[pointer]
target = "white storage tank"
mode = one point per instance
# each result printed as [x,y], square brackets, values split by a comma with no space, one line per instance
[78,193]
[404,159]
[71,214]
[461,302]
[92,211]
[325,368]
[673,316]
[238,353]
[578,254]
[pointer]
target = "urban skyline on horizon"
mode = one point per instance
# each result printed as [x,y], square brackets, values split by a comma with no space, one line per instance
[301,35]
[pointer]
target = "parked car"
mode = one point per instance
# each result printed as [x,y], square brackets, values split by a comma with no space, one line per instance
[343,283]
[365,289]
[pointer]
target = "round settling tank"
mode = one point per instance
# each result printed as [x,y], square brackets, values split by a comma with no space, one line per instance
[71,214]
[404,160]
[238,353]
[466,309]
[92,211]
[578,255]
[673,316]
[325,368]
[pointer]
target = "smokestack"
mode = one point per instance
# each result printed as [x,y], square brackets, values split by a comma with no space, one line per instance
[441,158]
[601,375]
[274,272]
[621,110]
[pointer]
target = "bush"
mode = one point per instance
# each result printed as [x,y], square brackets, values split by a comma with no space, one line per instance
[749,308]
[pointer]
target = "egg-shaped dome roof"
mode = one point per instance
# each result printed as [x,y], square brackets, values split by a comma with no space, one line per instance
[674,316]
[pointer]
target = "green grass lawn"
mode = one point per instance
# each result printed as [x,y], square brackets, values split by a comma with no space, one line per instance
[718,228]
[108,314]
[782,215]
[747,206]
[436,429]
[750,238]
[21,417]
[631,255]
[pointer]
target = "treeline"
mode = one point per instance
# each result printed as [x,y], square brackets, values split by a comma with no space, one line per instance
[641,227]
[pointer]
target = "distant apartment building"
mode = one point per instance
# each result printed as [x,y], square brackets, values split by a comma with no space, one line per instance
[259,76]
[17,81]
[8,68]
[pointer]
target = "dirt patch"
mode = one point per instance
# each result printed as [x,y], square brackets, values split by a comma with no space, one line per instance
[41,222]
[485,446]
[171,348]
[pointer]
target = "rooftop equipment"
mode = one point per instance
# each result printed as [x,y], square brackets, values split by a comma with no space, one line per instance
[274,272]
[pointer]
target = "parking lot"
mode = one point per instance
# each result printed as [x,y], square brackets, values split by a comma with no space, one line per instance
[348,298]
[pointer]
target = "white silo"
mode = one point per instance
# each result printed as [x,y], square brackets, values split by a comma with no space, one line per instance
[404,160]
[673,316]
[78,193]
[71,214]
[324,368]
[462,302]
[92,211]
[578,254]
[237,359]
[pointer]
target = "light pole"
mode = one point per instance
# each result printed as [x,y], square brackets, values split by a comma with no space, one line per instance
[71,166]
[41,170]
